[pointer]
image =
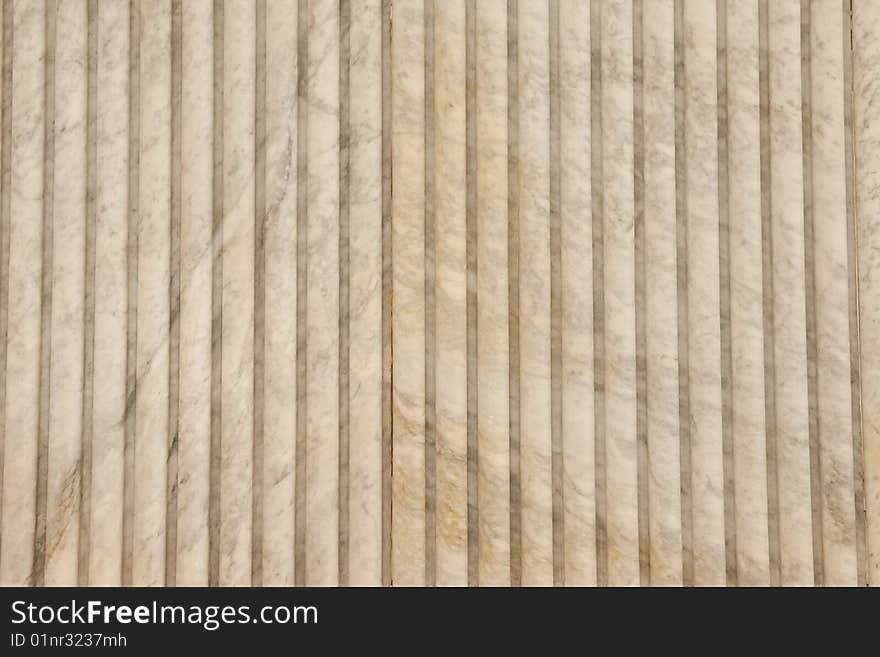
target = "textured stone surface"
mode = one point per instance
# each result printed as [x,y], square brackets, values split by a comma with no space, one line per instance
[429,292]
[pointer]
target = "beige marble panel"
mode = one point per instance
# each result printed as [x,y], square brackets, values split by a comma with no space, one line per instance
[492,300]
[661,305]
[4,263]
[578,492]
[704,341]
[866,117]
[68,297]
[534,293]
[745,251]
[196,271]
[366,296]
[322,383]
[789,300]
[153,303]
[279,412]
[830,271]
[408,290]
[237,373]
[111,298]
[450,291]
[418,247]
[619,310]
[25,244]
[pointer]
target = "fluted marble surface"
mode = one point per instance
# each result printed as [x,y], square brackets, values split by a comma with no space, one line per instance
[440,292]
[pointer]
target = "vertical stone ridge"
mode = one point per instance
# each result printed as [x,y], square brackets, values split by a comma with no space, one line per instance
[39,566]
[473,519]
[725,274]
[861,112]
[259,293]
[852,288]
[216,303]
[642,452]
[387,373]
[598,211]
[810,286]
[513,290]
[85,490]
[174,298]
[773,519]
[687,504]
[302,272]
[430,311]
[344,282]
[5,207]
[556,439]
[134,138]
[853,282]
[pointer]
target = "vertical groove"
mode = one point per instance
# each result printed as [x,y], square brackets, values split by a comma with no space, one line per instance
[556,464]
[773,520]
[216,302]
[598,212]
[387,414]
[644,510]
[85,490]
[513,290]
[687,504]
[132,286]
[430,311]
[39,568]
[302,272]
[344,283]
[174,300]
[259,294]
[5,206]
[853,281]
[473,519]
[726,364]
[301,289]
[866,454]
[810,286]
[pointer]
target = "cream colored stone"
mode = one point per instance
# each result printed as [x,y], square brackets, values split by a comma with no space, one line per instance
[704,341]
[237,373]
[534,294]
[153,303]
[322,379]
[493,423]
[328,235]
[366,296]
[746,296]
[866,64]
[450,291]
[832,298]
[578,492]
[789,312]
[68,297]
[619,281]
[21,415]
[408,300]
[280,408]
[661,303]
[196,271]
[111,298]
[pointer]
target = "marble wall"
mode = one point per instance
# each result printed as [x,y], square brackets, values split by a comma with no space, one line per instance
[444,292]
